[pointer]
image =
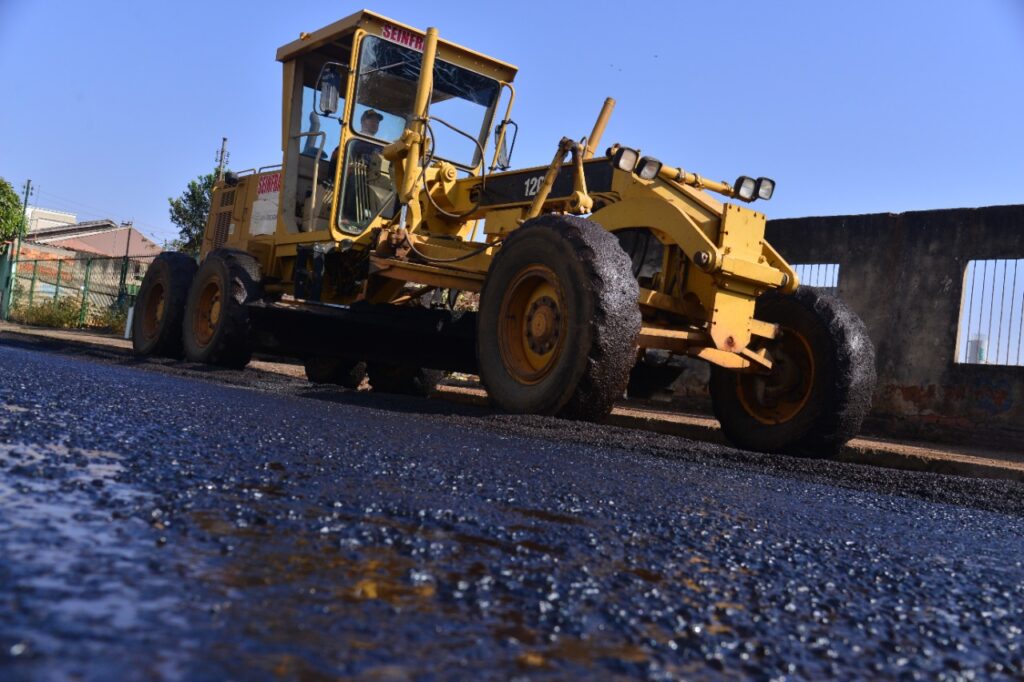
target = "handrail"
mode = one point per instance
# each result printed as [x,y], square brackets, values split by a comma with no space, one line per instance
[316,172]
[504,124]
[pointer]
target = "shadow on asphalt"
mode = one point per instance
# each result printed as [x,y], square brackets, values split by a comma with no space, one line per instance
[252,378]
[394,403]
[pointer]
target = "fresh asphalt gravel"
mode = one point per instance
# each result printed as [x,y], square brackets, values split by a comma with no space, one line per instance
[167,520]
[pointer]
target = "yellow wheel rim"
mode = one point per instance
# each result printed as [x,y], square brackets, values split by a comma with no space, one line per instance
[532,324]
[779,396]
[207,314]
[153,311]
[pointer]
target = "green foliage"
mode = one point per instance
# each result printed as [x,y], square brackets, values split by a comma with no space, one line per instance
[64,313]
[61,313]
[112,319]
[10,211]
[190,211]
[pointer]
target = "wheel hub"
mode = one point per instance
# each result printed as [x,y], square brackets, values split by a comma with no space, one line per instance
[542,322]
[207,313]
[783,380]
[153,311]
[779,396]
[532,324]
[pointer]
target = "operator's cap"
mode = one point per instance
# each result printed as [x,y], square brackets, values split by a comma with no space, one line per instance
[370,113]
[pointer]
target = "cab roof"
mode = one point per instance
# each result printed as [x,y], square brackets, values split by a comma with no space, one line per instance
[390,29]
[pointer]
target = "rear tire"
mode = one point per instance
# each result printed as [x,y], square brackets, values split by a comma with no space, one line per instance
[338,371]
[558,321]
[820,389]
[403,379]
[160,306]
[216,329]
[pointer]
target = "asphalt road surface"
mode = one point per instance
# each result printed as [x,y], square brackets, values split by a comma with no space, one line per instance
[165,520]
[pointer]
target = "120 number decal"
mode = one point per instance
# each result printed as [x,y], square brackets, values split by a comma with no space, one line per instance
[532,185]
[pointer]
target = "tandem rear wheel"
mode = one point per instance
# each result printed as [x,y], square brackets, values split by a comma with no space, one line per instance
[216,327]
[160,306]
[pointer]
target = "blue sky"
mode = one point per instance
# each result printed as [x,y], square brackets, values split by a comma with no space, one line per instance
[853,107]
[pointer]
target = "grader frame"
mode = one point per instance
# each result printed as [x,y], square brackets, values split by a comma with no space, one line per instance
[327,270]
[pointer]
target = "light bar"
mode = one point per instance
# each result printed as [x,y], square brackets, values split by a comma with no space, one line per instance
[745,188]
[648,168]
[765,188]
[625,159]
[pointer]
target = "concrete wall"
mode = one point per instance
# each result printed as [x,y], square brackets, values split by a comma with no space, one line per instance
[904,275]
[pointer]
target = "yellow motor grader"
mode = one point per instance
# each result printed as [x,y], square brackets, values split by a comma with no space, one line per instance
[394,204]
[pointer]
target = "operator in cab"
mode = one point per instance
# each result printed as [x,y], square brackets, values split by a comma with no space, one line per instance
[369,124]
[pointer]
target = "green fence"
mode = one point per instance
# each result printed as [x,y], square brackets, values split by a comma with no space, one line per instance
[77,292]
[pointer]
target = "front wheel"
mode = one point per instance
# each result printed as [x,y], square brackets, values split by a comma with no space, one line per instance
[820,387]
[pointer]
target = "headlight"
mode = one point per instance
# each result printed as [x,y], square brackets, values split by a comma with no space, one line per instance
[745,188]
[648,168]
[765,188]
[625,159]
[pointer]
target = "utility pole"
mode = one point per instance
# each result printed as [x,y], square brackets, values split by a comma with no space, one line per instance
[122,286]
[222,158]
[8,290]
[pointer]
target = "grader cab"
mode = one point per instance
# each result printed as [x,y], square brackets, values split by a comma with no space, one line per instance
[394,199]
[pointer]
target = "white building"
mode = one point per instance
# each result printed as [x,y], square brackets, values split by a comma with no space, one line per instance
[43,218]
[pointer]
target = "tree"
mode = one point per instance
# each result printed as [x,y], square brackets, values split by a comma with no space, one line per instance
[10,211]
[190,211]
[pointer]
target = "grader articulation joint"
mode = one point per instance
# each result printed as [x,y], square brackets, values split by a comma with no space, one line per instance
[358,252]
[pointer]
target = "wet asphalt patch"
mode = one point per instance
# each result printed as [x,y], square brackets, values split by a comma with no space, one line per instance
[160,526]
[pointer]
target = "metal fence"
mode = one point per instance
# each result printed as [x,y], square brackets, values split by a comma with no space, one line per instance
[821,275]
[77,292]
[991,328]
